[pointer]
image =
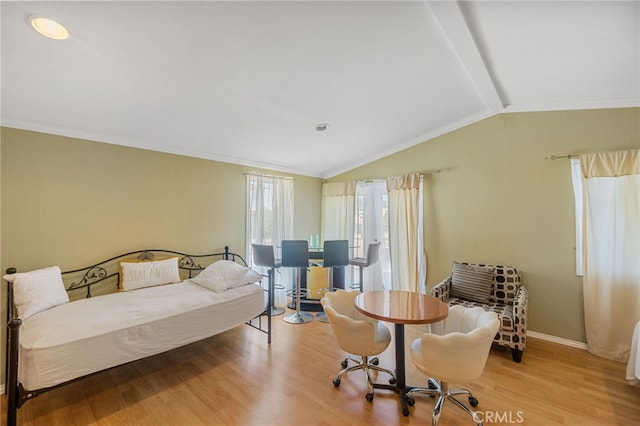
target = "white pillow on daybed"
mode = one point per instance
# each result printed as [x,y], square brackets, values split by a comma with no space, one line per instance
[37,290]
[226,274]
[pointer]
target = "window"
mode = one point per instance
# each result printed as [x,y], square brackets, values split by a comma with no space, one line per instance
[371,212]
[269,220]
[358,211]
[269,211]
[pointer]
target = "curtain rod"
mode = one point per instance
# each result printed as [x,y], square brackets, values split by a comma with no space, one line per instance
[427,172]
[557,157]
[268,176]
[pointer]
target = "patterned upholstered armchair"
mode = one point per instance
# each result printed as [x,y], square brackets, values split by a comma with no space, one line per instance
[495,288]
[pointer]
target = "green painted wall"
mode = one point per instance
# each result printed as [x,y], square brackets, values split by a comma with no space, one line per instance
[497,200]
[72,202]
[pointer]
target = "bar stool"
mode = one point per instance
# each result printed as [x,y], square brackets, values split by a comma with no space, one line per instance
[295,254]
[263,255]
[373,253]
[335,255]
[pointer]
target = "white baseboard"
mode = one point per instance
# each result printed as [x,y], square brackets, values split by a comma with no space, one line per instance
[2,390]
[559,340]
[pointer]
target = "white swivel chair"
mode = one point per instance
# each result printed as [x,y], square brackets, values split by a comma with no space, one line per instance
[295,254]
[263,255]
[455,350]
[335,254]
[372,256]
[356,334]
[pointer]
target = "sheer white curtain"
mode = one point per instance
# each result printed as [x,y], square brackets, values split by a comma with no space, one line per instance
[270,219]
[611,231]
[576,178]
[338,201]
[356,212]
[371,208]
[408,263]
[336,217]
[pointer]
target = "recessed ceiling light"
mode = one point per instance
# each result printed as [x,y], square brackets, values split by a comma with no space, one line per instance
[50,28]
[322,127]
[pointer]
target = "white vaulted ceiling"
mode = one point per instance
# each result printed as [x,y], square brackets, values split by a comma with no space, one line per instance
[247,82]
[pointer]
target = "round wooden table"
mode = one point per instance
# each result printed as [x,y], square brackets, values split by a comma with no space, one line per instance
[400,308]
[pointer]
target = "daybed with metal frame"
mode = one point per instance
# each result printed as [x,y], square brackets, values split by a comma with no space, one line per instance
[72,340]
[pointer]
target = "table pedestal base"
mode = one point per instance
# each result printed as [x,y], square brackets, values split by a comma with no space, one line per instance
[400,387]
[401,394]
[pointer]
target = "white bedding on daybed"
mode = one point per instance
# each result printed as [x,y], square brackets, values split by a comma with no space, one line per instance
[81,337]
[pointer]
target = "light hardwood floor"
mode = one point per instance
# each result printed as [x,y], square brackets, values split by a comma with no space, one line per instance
[237,379]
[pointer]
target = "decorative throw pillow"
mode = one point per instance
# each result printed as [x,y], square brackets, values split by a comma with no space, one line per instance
[471,282]
[137,275]
[226,274]
[249,278]
[38,290]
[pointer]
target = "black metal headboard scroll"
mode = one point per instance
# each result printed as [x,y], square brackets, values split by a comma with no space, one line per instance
[108,270]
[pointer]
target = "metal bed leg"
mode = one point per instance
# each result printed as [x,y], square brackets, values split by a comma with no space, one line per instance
[12,371]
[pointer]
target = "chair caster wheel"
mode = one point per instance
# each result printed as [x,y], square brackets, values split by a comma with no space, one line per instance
[392,381]
[411,401]
[336,382]
[369,397]
[344,363]
[405,411]
[375,361]
[473,401]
